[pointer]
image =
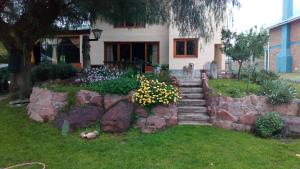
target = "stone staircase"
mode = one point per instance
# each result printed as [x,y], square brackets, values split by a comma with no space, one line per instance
[192,108]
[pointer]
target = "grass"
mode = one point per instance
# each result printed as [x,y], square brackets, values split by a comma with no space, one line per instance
[290,76]
[181,147]
[232,87]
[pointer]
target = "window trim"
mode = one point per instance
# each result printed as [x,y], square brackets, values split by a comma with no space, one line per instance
[185,40]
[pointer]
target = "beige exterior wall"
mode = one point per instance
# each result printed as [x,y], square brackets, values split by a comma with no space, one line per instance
[156,33]
[206,51]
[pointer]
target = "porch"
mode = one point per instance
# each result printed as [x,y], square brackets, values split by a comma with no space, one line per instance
[142,56]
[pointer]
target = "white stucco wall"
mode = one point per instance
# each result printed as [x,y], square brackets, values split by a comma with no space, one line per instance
[157,33]
[165,35]
[206,51]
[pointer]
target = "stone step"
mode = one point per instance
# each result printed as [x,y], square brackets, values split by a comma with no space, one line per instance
[192,96]
[193,117]
[194,123]
[192,102]
[191,83]
[191,90]
[192,109]
[190,80]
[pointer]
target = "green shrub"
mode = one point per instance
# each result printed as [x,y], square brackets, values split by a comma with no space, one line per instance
[269,124]
[277,91]
[129,73]
[257,76]
[48,71]
[163,76]
[164,67]
[263,75]
[120,86]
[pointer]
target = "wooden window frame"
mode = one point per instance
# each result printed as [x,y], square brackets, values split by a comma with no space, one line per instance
[185,40]
[130,43]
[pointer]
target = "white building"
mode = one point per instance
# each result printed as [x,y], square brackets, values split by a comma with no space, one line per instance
[126,44]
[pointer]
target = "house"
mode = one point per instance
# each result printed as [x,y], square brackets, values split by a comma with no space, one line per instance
[128,43]
[283,53]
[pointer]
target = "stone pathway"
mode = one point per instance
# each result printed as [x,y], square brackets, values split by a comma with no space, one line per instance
[192,108]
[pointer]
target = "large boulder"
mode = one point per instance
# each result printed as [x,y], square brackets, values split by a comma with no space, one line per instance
[80,116]
[118,118]
[249,118]
[111,100]
[162,116]
[292,125]
[44,104]
[85,97]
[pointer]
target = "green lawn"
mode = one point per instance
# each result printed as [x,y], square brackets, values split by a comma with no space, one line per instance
[290,76]
[232,87]
[182,147]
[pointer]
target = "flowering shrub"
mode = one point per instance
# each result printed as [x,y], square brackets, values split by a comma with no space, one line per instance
[277,91]
[94,75]
[153,92]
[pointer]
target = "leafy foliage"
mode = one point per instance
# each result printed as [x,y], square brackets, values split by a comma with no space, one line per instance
[3,54]
[241,47]
[251,72]
[153,92]
[278,91]
[120,86]
[23,23]
[48,71]
[269,124]
[163,76]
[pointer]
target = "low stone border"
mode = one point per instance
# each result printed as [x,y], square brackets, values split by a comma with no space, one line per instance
[114,112]
[240,113]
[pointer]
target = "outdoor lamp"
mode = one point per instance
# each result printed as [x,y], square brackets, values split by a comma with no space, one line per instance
[97,34]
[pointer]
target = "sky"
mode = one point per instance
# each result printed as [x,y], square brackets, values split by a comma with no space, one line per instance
[260,13]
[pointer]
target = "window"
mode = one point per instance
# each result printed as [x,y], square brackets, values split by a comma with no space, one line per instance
[129,25]
[185,48]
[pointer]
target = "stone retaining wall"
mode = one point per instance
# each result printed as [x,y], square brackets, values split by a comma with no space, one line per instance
[114,112]
[240,113]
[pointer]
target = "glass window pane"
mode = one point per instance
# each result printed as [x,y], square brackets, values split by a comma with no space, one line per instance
[152,53]
[111,51]
[179,47]
[191,47]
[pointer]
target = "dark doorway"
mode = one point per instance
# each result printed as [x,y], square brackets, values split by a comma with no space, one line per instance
[138,51]
[125,52]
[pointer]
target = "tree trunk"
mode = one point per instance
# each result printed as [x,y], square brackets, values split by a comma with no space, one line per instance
[21,73]
[240,68]
[86,52]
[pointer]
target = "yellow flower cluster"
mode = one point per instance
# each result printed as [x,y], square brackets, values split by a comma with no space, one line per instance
[152,92]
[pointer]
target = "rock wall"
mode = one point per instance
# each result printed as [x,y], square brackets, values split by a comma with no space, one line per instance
[240,113]
[44,104]
[161,117]
[114,112]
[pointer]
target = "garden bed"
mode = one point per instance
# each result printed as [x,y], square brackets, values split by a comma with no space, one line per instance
[241,110]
